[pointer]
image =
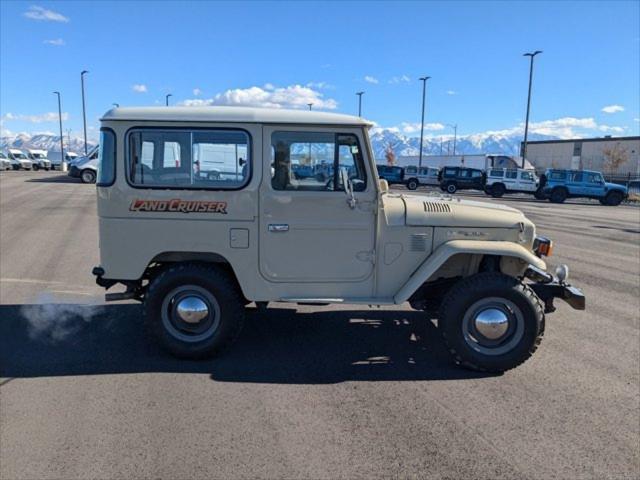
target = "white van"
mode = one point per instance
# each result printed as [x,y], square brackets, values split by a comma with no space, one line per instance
[416,176]
[19,159]
[56,161]
[510,180]
[86,167]
[39,159]
[5,164]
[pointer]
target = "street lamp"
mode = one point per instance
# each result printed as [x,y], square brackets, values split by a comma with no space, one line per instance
[166,99]
[359,94]
[310,105]
[455,135]
[63,164]
[84,114]
[526,122]
[424,90]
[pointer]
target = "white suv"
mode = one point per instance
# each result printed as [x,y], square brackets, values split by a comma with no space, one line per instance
[506,180]
[416,176]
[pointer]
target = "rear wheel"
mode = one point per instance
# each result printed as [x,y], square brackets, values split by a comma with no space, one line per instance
[613,199]
[88,176]
[491,322]
[452,188]
[559,195]
[497,190]
[412,184]
[36,167]
[195,311]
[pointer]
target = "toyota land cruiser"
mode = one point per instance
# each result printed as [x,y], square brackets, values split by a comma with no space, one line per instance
[201,213]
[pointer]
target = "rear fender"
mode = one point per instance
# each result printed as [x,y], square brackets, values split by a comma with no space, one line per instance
[514,258]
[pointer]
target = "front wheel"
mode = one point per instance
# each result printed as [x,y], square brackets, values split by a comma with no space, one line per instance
[613,199]
[452,188]
[88,176]
[491,322]
[497,190]
[194,310]
[36,167]
[539,195]
[412,184]
[559,195]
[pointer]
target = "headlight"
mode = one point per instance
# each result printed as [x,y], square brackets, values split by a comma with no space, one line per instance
[542,246]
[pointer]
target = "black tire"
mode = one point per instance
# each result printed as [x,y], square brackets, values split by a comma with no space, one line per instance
[558,195]
[497,190]
[88,176]
[613,199]
[412,184]
[36,167]
[451,188]
[484,293]
[215,288]
[15,167]
[539,195]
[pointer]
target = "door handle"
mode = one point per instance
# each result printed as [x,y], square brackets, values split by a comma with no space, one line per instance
[278,227]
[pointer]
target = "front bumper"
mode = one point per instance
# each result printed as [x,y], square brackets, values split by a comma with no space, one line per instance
[74,171]
[548,287]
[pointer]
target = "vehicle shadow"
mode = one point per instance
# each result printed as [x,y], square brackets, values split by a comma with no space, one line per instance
[276,346]
[62,178]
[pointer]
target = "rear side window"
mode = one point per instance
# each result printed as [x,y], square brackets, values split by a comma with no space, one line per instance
[180,158]
[496,173]
[450,172]
[512,174]
[557,175]
[106,158]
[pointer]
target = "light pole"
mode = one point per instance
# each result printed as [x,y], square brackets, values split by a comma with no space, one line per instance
[310,105]
[424,91]
[359,94]
[526,122]
[63,164]
[84,114]
[455,135]
[166,99]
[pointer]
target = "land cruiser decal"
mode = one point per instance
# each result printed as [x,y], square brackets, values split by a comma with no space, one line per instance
[178,205]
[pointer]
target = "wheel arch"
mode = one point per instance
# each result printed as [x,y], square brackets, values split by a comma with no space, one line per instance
[513,259]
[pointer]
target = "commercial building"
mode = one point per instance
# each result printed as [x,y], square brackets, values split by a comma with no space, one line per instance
[613,155]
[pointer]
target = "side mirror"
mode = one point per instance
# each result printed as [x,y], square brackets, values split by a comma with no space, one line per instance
[348,187]
[383,185]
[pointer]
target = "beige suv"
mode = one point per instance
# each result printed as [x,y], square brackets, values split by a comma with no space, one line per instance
[205,210]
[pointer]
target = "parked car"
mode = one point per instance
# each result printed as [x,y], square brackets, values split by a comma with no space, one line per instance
[19,159]
[86,168]
[416,176]
[453,179]
[39,159]
[195,250]
[503,180]
[391,174]
[558,185]
[5,163]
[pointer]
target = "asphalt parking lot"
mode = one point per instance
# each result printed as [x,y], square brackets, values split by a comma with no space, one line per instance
[327,393]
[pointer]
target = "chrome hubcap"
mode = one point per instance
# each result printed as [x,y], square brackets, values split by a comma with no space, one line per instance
[492,323]
[192,309]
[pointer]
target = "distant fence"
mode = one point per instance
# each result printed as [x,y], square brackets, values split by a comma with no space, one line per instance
[629,180]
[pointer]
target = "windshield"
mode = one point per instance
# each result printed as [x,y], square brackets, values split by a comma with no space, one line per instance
[2,155]
[20,156]
[38,155]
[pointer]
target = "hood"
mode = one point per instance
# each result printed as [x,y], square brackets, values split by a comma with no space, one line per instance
[615,186]
[422,210]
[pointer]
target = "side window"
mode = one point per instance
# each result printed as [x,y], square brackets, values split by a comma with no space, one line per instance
[496,173]
[107,158]
[526,176]
[557,176]
[311,161]
[475,173]
[595,178]
[179,158]
[411,170]
[576,177]
[511,174]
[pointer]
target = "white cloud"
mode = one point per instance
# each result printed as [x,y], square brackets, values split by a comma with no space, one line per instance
[56,42]
[451,92]
[139,88]
[320,85]
[636,119]
[609,129]
[613,109]
[564,128]
[39,13]
[197,92]
[41,118]
[370,79]
[414,127]
[400,79]
[293,96]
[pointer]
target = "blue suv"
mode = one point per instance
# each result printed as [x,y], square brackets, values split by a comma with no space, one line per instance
[558,185]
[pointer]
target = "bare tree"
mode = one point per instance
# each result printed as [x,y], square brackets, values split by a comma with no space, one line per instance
[614,157]
[389,155]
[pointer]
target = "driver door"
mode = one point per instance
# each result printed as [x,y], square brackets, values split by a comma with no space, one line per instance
[308,230]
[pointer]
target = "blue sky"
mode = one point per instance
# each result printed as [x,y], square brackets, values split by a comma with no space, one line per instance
[586,83]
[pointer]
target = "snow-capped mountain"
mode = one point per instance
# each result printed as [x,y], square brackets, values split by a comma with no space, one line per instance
[403,145]
[43,141]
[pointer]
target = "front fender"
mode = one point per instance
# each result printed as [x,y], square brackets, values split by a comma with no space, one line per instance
[455,247]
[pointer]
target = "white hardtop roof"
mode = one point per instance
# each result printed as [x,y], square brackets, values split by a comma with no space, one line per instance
[36,150]
[15,150]
[232,115]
